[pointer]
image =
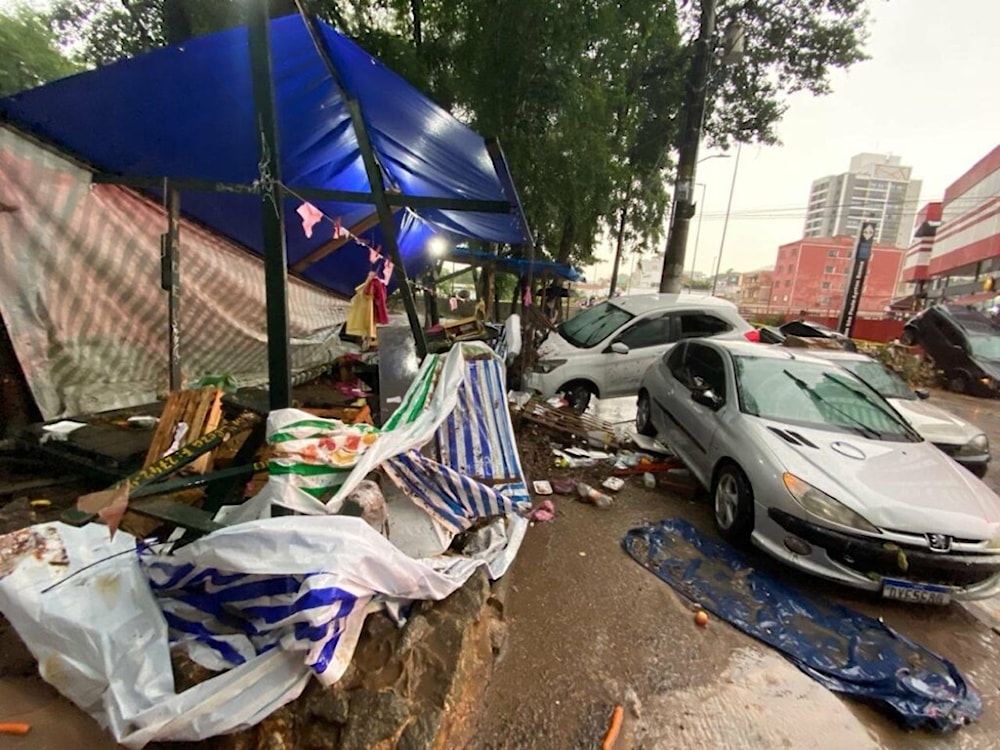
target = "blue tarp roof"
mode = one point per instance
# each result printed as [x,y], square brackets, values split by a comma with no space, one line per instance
[517,266]
[187,112]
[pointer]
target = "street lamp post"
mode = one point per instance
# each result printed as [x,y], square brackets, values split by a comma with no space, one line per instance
[725,223]
[697,232]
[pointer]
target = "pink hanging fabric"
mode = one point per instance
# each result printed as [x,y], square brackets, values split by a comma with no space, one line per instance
[311,216]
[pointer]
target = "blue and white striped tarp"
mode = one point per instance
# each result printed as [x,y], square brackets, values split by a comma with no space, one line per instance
[479,474]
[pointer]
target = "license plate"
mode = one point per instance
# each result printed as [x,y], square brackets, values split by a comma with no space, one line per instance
[920,593]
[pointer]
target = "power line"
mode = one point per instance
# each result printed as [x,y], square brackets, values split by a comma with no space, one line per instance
[800,212]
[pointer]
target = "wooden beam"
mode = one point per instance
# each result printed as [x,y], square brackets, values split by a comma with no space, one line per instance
[335,244]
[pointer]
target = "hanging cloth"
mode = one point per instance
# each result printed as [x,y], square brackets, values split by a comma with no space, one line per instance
[360,313]
[377,291]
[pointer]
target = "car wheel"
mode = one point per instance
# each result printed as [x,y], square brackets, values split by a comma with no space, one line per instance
[733,502]
[908,337]
[958,382]
[578,396]
[644,416]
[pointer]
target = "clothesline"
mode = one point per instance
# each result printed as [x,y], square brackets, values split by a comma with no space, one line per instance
[311,216]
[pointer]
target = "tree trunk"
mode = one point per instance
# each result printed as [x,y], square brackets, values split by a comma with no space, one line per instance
[566,241]
[620,241]
[418,34]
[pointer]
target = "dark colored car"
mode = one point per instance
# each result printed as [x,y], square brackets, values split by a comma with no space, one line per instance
[811,330]
[964,344]
[770,335]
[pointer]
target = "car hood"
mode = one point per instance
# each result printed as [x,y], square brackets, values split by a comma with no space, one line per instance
[934,423]
[554,346]
[907,487]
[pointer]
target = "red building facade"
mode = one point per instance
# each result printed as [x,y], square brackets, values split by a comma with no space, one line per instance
[960,260]
[812,274]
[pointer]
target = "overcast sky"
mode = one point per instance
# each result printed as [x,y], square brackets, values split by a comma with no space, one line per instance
[929,94]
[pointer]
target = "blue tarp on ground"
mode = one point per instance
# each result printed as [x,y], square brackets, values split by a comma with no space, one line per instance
[187,112]
[844,650]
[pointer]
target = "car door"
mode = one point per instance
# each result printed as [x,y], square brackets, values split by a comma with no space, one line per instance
[696,424]
[647,338]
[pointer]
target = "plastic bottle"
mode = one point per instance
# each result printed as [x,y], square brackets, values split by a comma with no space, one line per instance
[593,496]
[648,480]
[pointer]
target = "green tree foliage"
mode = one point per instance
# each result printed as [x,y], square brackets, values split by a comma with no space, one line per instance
[584,95]
[28,53]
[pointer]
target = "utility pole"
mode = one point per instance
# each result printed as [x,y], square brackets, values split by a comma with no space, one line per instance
[694,108]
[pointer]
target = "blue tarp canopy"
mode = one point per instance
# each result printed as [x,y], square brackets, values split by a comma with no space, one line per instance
[187,112]
[519,266]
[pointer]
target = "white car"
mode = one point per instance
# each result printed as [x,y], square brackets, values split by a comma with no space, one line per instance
[814,467]
[961,440]
[604,350]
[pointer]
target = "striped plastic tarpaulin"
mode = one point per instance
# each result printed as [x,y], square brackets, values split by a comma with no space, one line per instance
[80,292]
[269,601]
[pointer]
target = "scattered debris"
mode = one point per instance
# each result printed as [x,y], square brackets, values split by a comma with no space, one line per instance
[14,727]
[583,429]
[564,486]
[593,496]
[648,480]
[542,487]
[546,511]
[613,483]
[611,737]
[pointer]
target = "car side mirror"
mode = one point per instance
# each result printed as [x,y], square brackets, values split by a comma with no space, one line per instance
[922,393]
[619,347]
[706,397]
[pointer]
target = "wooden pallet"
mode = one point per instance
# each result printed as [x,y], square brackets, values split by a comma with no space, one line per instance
[588,430]
[201,409]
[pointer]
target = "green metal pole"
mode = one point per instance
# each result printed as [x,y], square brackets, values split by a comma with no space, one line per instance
[171,283]
[273,221]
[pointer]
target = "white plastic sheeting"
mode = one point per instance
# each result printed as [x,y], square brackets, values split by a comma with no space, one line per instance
[269,601]
[101,640]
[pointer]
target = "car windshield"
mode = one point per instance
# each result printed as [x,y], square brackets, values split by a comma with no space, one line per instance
[593,325]
[809,394]
[985,345]
[881,378]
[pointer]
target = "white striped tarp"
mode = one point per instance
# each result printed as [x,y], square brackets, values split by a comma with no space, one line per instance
[80,292]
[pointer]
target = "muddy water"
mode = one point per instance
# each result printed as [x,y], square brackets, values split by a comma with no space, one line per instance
[591,630]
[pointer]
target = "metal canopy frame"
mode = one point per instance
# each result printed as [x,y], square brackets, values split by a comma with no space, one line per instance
[386,201]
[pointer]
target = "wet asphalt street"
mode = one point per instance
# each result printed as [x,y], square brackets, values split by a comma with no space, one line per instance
[590,628]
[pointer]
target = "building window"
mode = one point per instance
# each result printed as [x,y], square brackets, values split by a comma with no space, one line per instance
[826,285]
[828,269]
[832,253]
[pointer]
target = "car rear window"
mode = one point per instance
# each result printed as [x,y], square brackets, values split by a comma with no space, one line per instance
[699,325]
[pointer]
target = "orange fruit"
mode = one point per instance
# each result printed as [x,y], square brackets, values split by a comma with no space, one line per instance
[701,619]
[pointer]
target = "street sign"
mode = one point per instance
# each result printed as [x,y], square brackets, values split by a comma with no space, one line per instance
[856,285]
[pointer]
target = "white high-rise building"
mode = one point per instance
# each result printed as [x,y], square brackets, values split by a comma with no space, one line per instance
[877,187]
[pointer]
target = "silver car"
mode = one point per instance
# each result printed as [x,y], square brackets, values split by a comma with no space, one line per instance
[958,438]
[817,469]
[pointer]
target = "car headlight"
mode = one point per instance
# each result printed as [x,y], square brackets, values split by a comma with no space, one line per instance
[979,445]
[824,507]
[547,365]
